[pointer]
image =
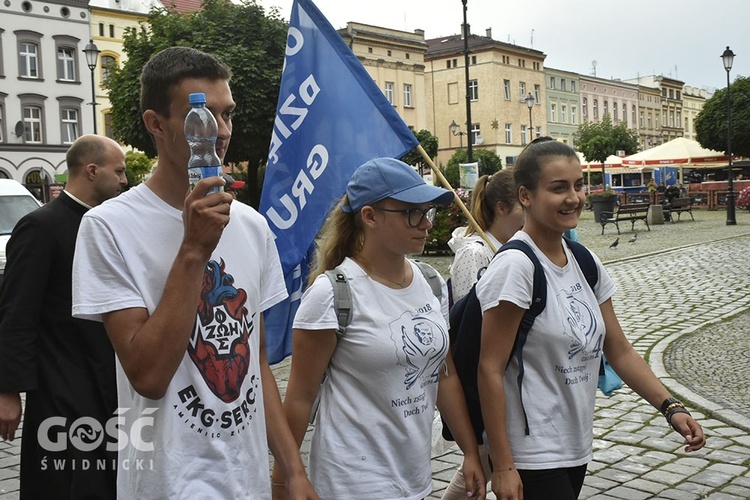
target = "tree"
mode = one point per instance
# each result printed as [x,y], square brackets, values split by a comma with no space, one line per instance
[428,142]
[489,163]
[137,166]
[597,141]
[242,35]
[711,122]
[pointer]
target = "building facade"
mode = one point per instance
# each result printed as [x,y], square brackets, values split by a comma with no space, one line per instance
[563,104]
[615,98]
[693,100]
[670,90]
[395,60]
[501,76]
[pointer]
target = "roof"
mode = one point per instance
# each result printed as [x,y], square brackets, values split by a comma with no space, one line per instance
[455,43]
[182,5]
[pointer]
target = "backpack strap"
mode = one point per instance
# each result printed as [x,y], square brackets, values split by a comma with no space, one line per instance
[342,299]
[433,279]
[538,303]
[585,261]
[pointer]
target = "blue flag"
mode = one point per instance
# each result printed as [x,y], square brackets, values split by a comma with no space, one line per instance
[331,118]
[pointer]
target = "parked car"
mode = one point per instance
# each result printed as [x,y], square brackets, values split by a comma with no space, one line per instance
[15,202]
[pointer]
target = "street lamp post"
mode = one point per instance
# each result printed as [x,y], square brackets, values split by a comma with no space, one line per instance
[460,133]
[92,57]
[469,150]
[530,100]
[728,59]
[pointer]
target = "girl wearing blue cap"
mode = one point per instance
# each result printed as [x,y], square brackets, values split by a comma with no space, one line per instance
[540,433]
[385,374]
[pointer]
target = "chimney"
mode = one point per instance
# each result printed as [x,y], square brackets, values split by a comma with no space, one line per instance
[489,32]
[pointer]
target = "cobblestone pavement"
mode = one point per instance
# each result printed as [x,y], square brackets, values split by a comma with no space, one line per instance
[684,301]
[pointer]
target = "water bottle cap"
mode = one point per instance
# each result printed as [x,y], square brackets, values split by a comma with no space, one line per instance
[197,98]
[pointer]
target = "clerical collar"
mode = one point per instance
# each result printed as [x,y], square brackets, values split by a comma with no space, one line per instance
[77,200]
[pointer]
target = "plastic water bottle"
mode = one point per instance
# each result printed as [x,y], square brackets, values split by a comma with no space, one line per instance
[201,131]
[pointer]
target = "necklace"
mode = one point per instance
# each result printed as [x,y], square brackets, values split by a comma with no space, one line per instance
[400,284]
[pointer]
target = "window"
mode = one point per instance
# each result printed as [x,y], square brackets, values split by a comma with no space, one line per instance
[506,89]
[552,82]
[108,125]
[473,59]
[522,89]
[108,65]
[632,112]
[111,30]
[536,93]
[585,107]
[538,132]
[523,135]
[596,109]
[679,118]
[650,121]
[474,90]
[563,85]
[614,111]
[573,114]
[664,118]
[390,53]
[448,64]
[408,56]
[66,64]
[508,133]
[671,93]
[625,113]
[606,108]
[101,29]
[32,124]
[552,113]
[563,113]
[573,86]
[69,128]
[476,132]
[2,123]
[389,92]
[671,118]
[678,94]
[407,95]
[28,60]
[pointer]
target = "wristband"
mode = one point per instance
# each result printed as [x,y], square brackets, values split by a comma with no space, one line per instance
[666,404]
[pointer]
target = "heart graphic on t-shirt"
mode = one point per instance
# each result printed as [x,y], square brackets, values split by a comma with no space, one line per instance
[219,345]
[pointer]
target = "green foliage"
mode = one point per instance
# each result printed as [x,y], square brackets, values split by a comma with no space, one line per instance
[489,163]
[428,142]
[597,141]
[711,122]
[137,166]
[247,39]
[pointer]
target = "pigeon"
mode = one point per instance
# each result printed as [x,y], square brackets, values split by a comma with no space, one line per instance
[632,240]
[616,242]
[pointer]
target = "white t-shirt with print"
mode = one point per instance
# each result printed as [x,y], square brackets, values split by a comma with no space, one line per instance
[561,357]
[206,438]
[372,436]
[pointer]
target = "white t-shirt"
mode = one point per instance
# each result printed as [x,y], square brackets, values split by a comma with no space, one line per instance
[561,357]
[206,438]
[372,438]
[472,256]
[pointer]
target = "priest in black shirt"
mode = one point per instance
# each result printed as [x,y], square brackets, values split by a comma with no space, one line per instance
[66,366]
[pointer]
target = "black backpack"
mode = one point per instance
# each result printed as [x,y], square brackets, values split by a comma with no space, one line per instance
[466,329]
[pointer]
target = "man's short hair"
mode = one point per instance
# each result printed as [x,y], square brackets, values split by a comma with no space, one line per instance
[169,67]
[85,150]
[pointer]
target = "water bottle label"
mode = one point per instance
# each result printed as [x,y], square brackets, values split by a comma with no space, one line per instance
[195,174]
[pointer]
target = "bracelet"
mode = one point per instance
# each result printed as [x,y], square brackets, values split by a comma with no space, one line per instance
[666,403]
[504,469]
[280,485]
[672,413]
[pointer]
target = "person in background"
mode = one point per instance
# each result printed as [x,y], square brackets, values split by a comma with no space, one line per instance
[651,187]
[495,207]
[66,366]
[232,186]
[541,438]
[169,276]
[372,436]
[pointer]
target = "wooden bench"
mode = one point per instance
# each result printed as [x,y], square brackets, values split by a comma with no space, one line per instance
[680,205]
[630,212]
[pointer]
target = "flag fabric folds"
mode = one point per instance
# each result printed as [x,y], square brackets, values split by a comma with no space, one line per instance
[331,117]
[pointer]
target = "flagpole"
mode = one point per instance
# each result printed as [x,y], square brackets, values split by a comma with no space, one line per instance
[461,205]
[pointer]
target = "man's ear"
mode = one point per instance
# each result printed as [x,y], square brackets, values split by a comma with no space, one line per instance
[153,122]
[90,170]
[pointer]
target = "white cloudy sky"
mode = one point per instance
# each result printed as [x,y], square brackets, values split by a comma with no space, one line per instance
[682,39]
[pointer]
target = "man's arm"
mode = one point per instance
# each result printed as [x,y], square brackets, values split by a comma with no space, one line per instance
[150,348]
[280,439]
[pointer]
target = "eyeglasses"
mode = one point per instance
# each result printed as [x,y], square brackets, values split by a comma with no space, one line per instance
[414,215]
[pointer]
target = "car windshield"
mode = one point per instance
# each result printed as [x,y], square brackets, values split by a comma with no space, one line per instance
[12,208]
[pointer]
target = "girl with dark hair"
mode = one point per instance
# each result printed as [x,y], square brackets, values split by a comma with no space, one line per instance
[541,439]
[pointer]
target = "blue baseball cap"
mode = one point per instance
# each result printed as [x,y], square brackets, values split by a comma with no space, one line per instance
[382,178]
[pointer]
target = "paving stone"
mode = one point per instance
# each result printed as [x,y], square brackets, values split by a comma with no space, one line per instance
[646,486]
[628,493]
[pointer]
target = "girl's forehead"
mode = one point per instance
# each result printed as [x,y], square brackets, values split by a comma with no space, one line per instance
[561,166]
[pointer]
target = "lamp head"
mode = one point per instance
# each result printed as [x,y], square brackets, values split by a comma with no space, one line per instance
[92,54]
[453,127]
[530,100]
[728,59]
